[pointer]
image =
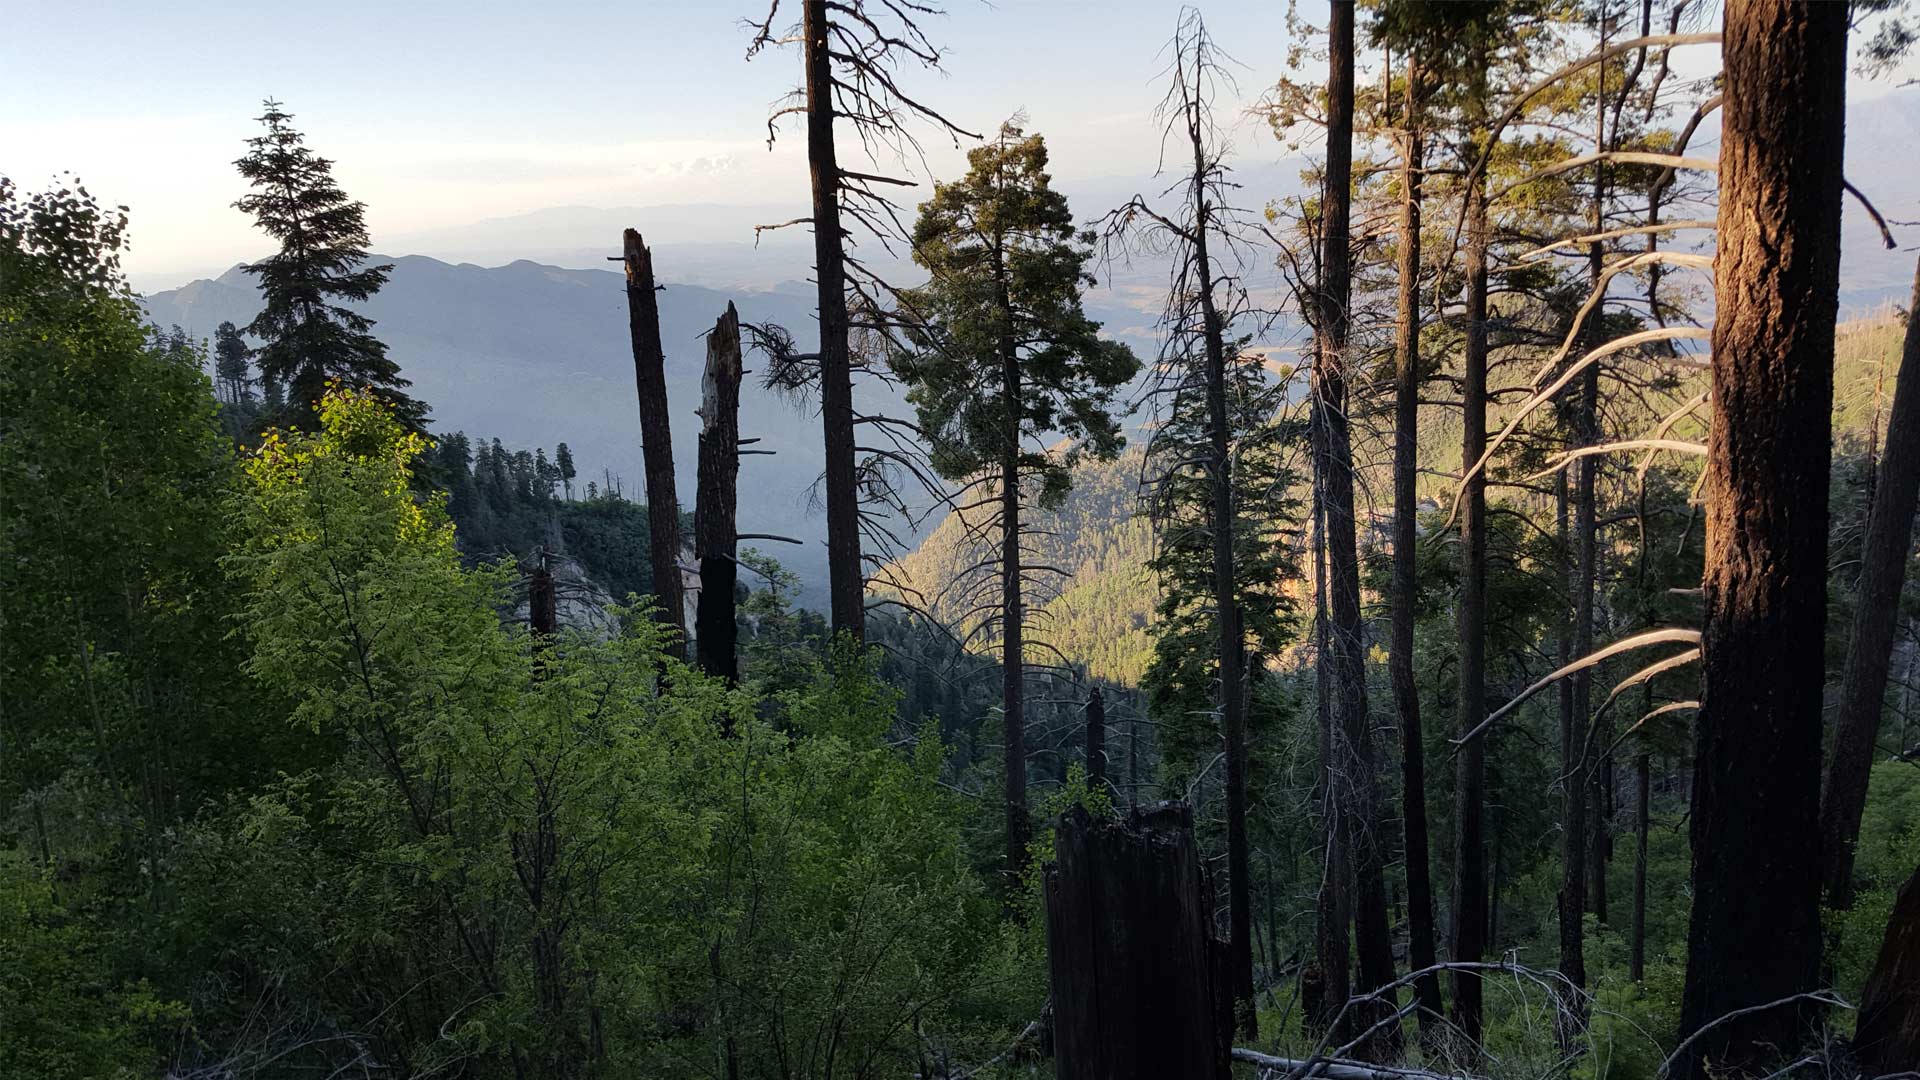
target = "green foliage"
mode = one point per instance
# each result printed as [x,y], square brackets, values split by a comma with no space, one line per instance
[557,856]
[1181,680]
[1006,270]
[68,1017]
[308,335]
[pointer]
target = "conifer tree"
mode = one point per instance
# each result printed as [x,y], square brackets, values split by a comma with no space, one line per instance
[563,460]
[1001,357]
[230,369]
[307,333]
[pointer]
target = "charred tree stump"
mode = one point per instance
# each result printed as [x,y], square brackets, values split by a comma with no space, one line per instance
[1887,1038]
[656,439]
[1141,988]
[714,527]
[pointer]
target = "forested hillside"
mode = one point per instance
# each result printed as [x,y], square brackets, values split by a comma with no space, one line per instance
[1471,635]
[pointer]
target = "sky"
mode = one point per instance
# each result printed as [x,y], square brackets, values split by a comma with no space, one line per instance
[440,114]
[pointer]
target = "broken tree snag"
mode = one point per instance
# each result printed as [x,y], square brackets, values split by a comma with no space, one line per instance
[1096,740]
[543,608]
[1887,1038]
[1139,982]
[656,440]
[714,506]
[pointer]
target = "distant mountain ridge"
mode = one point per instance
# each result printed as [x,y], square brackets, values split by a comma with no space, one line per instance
[536,355]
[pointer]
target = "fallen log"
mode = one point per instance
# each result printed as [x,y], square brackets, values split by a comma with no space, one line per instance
[1338,1069]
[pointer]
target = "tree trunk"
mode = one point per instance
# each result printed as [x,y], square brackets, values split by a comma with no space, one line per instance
[1637,947]
[1470,766]
[1013,671]
[1326,987]
[1096,740]
[1883,571]
[1887,1038]
[847,574]
[1406,509]
[1754,935]
[1135,971]
[714,512]
[1226,600]
[656,440]
[1355,779]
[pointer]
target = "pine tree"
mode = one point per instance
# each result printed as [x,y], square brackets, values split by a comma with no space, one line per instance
[308,336]
[1003,356]
[230,370]
[563,459]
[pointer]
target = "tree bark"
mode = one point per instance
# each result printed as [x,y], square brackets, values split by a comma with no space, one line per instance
[1887,1037]
[1406,510]
[1326,987]
[716,502]
[1754,936]
[1883,572]
[1637,947]
[1096,740]
[656,440]
[1470,766]
[1355,777]
[1137,990]
[1013,670]
[846,569]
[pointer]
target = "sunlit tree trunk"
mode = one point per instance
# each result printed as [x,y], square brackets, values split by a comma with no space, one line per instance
[1754,936]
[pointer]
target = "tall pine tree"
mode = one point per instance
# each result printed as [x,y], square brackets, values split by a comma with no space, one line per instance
[1002,357]
[307,333]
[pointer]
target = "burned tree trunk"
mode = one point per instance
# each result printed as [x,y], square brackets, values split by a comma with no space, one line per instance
[1887,1038]
[656,439]
[715,501]
[1138,979]
[1883,571]
[1754,936]
[1096,740]
[1637,947]
[847,572]
[1406,508]
[1470,766]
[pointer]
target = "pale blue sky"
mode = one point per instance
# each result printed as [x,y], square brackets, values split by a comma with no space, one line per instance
[442,113]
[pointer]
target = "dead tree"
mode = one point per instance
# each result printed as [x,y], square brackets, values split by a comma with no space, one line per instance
[1137,976]
[1469,928]
[1754,936]
[1096,740]
[1421,951]
[1883,571]
[1351,772]
[656,440]
[715,530]
[1205,298]
[851,51]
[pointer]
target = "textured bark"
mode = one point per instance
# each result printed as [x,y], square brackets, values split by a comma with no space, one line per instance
[656,440]
[1096,740]
[1326,985]
[1887,1038]
[1754,936]
[1137,986]
[714,509]
[1883,571]
[1354,774]
[1013,669]
[1406,509]
[1637,945]
[847,574]
[1470,766]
